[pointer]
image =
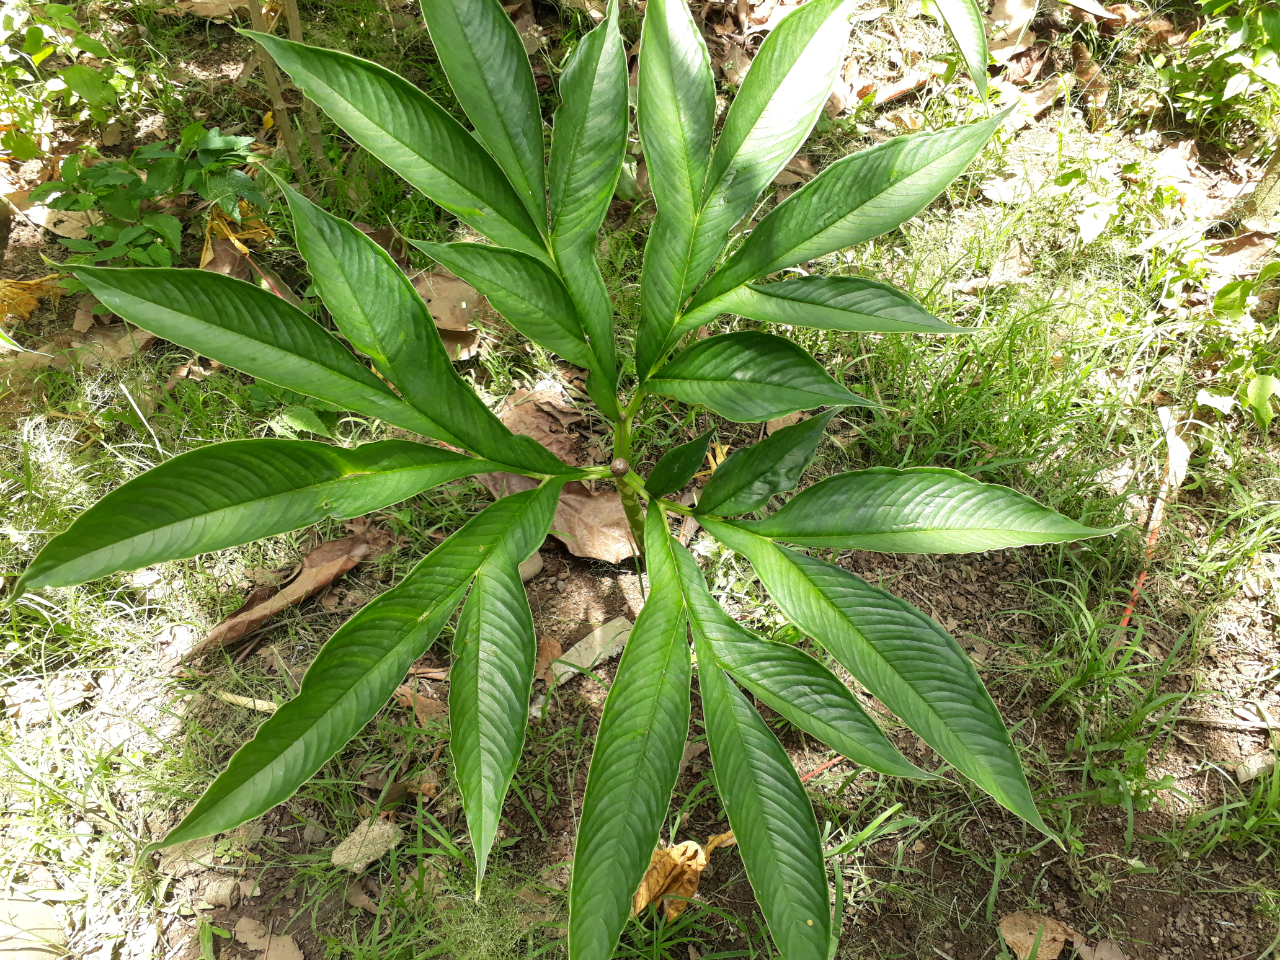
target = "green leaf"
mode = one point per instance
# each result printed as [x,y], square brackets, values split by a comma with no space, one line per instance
[377,308]
[168,227]
[88,84]
[964,21]
[356,672]
[853,200]
[250,330]
[492,676]
[231,493]
[918,510]
[828,303]
[305,419]
[524,290]
[414,136]
[677,466]
[771,116]
[489,72]
[635,761]
[588,140]
[771,817]
[1258,394]
[750,377]
[903,658]
[789,681]
[751,475]
[675,113]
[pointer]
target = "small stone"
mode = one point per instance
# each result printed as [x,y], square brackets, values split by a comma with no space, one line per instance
[224,892]
[313,833]
[531,567]
[367,843]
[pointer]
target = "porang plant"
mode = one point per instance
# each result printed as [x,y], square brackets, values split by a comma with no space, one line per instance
[539,271]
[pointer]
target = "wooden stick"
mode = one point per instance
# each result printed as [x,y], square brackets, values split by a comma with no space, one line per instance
[281,113]
[311,116]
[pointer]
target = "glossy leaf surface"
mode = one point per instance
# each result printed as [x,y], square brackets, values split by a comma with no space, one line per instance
[853,200]
[231,493]
[635,761]
[677,466]
[524,290]
[791,682]
[908,662]
[749,377]
[918,510]
[250,330]
[751,475]
[414,136]
[675,112]
[489,71]
[588,138]
[833,303]
[964,21]
[492,675]
[354,675]
[771,817]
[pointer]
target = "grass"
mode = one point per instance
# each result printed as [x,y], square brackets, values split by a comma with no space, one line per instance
[1053,391]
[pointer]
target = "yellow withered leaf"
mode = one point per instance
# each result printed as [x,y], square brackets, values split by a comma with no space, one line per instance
[674,873]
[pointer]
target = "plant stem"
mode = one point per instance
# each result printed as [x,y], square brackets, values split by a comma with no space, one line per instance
[311,117]
[269,72]
[630,500]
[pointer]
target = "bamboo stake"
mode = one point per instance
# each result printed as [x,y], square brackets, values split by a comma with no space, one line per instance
[310,115]
[281,113]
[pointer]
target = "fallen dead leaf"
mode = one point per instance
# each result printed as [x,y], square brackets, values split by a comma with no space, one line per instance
[321,567]
[424,706]
[255,936]
[1105,950]
[674,873]
[1009,28]
[221,256]
[262,706]
[1021,929]
[387,238]
[798,170]
[548,649]
[1242,255]
[34,701]
[209,9]
[65,223]
[1093,82]
[20,298]
[734,62]
[358,897]
[452,303]
[371,840]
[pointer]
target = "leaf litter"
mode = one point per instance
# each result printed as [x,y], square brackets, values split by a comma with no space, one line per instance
[674,873]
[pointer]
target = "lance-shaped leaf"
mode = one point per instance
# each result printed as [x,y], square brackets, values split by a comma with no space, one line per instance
[750,377]
[677,466]
[489,71]
[635,761]
[227,494]
[964,21]
[833,303]
[377,308]
[771,817]
[676,111]
[253,331]
[492,675]
[354,674]
[588,139]
[414,136]
[523,289]
[853,200]
[771,117]
[790,681]
[751,475]
[918,510]
[913,666]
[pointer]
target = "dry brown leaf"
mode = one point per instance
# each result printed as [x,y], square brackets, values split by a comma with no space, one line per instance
[1242,255]
[1020,930]
[1093,82]
[1024,68]
[1009,28]
[65,223]
[1032,101]
[387,238]
[674,873]
[424,706]
[1105,950]
[321,567]
[34,701]
[358,897]
[548,649]
[452,303]
[461,344]
[221,256]
[798,170]
[734,62]
[594,8]
[85,317]
[255,936]
[20,298]
[544,413]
